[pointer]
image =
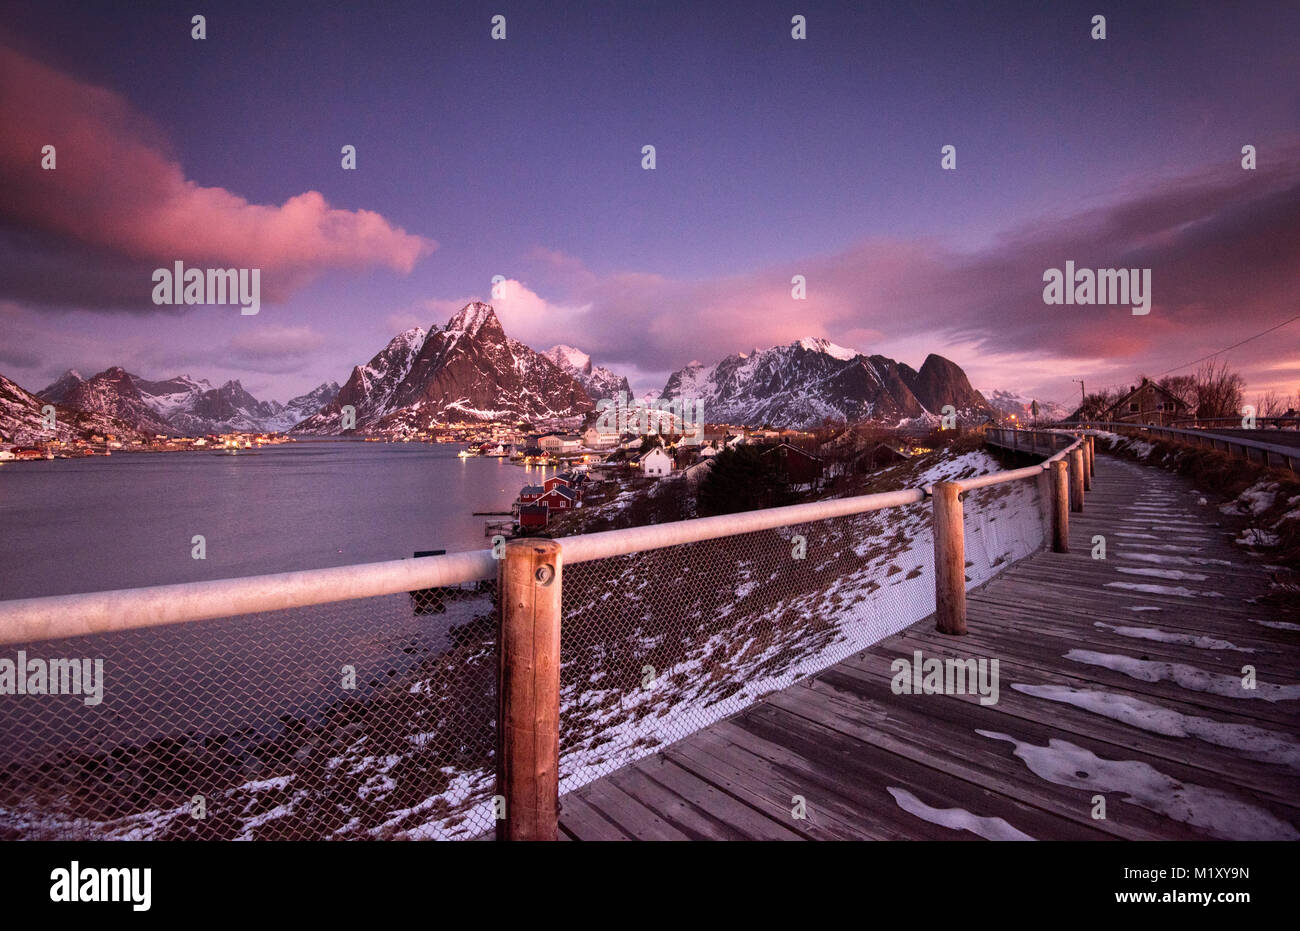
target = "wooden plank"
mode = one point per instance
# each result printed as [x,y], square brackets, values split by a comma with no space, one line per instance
[871,772]
[750,779]
[773,776]
[1274,780]
[988,763]
[584,822]
[627,812]
[749,823]
[955,762]
[831,775]
[956,718]
[1049,662]
[695,823]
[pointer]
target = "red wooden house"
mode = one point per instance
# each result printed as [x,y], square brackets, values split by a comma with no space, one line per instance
[560,498]
[533,516]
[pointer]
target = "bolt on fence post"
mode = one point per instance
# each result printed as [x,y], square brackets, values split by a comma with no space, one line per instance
[1076,480]
[528,689]
[1060,507]
[949,559]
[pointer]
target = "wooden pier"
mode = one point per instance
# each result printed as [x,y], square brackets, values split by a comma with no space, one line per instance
[1121,712]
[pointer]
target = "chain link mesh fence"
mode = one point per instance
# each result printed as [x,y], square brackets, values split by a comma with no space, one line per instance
[376,718]
[659,644]
[365,719]
[1003,524]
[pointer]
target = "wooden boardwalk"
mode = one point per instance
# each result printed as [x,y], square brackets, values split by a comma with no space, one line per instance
[1119,679]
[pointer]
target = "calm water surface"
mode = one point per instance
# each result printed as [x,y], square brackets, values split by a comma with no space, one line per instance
[82,525]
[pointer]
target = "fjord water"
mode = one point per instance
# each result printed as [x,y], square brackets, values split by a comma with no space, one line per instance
[84,525]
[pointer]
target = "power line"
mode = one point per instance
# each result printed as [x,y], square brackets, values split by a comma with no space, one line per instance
[1233,346]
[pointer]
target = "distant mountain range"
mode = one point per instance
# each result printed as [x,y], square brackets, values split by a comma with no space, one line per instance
[22,419]
[807,382]
[118,402]
[471,370]
[1009,402]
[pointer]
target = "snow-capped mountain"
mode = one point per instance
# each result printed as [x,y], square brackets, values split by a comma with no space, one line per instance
[59,390]
[198,408]
[113,392]
[1012,402]
[195,407]
[468,370]
[182,405]
[298,409]
[599,382]
[370,387]
[806,382]
[22,420]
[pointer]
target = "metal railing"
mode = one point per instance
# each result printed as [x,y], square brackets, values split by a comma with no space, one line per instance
[1275,422]
[439,697]
[1267,454]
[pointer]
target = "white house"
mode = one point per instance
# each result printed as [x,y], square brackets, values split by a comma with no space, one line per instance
[559,443]
[595,439]
[656,462]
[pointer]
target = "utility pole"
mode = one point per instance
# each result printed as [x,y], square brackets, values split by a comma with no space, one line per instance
[1083,398]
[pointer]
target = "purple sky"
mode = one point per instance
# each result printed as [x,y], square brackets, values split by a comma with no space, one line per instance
[775,157]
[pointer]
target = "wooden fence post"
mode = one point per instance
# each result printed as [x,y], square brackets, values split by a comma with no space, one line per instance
[949,559]
[1092,455]
[1076,480]
[1060,506]
[1087,464]
[528,689]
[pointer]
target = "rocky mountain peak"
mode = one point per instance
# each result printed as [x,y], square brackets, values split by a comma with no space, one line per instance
[475,320]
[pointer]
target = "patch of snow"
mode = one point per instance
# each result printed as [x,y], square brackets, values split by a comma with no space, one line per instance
[959,819]
[1176,590]
[1173,575]
[816,344]
[1276,625]
[1162,636]
[1256,537]
[1255,500]
[1184,676]
[1256,742]
[1211,810]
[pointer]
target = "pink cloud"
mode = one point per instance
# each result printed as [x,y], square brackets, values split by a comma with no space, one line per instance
[1223,245]
[118,194]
